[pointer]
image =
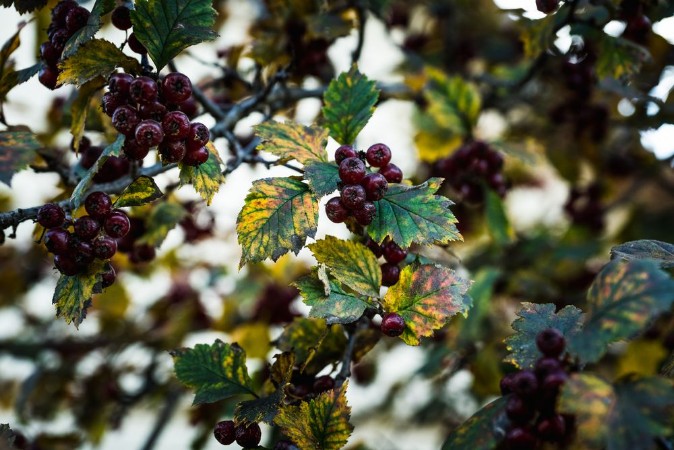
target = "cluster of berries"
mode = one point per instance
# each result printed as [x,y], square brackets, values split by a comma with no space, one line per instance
[547,6]
[149,114]
[359,187]
[247,436]
[114,168]
[393,254]
[67,18]
[584,207]
[472,166]
[305,386]
[121,19]
[138,252]
[93,236]
[533,394]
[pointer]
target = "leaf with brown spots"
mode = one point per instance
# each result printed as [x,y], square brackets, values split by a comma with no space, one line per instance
[661,252]
[292,140]
[483,430]
[17,150]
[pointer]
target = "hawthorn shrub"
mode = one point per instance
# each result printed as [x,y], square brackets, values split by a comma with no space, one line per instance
[565,328]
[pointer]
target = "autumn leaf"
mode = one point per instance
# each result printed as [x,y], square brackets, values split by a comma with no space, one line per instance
[292,140]
[661,252]
[482,430]
[72,296]
[163,218]
[96,58]
[114,149]
[205,178]
[87,32]
[454,104]
[322,177]
[17,150]
[313,341]
[141,191]
[80,108]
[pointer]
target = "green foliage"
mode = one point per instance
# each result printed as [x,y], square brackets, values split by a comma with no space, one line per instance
[80,191]
[658,251]
[314,343]
[167,27]
[93,59]
[453,103]
[349,104]
[480,430]
[141,191]
[291,140]
[163,218]
[86,33]
[498,224]
[72,296]
[17,150]
[206,178]
[215,372]
[322,177]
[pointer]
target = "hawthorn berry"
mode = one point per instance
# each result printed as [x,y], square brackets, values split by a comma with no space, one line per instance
[113,168]
[49,53]
[51,215]
[378,155]
[392,324]
[365,214]
[392,252]
[525,383]
[352,170]
[142,253]
[521,439]
[553,381]
[198,136]
[134,150]
[121,18]
[374,247]
[120,83]
[392,173]
[172,151]
[353,196]
[336,211]
[66,264]
[343,152]
[98,205]
[546,366]
[117,224]
[143,90]
[506,384]
[551,342]
[108,277]
[225,432]
[375,186]
[110,102]
[57,241]
[86,227]
[48,77]
[176,87]
[552,428]
[76,19]
[248,436]
[125,119]
[176,125]
[59,39]
[149,133]
[519,410]
[61,10]
[135,45]
[195,157]
[323,383]
[153,110]
[390,274]
[104,247]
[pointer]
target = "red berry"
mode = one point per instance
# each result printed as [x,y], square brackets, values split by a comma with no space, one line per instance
[143,90]
[172,151]
[365,214]
[551,342]
[553,381]
[225,432]
[546,366]
[343,152]
[59,39]
[104,247]
[248,436]
[108,277]
[61,10]
[190,107]
[378,155]
[525,383]
[176,126]
[155,111]
[125,119]
[121,18]
[552,428]
[111,102]
[352,170]
[135,45]
[390,274]
[375,186]
[135,151]
[49,54]
[198,136]
[518,410]
[120,83]
[195,157]
[85,144]
[323,383]
[66,265]
[98,205]
[392,173]
[149,133]
[142,253]
[336,211]
[520,439]
[51,215]
[392,252]
[353,196]
[506,384]
[113,168]
[176,87]
[392,324]
[374,247]
[117,224]
[57,241]
[86,228]
[48,76]
[76,19]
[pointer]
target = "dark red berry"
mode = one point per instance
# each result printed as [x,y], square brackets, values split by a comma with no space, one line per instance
[85,144]
[98,205]
[48,76]
[525,383]
[365,214]
[546,366]
[352,170]
[176,87]
[49,54]
[248,436]
[390,274]
[155,111]
[336,211]
[353,196]
[374,247]
[198,136]
[121,18]
[143,90]
[552,428]
[111,102]
[553,381]
[117,224]
[59,39]
[392,252]
[172,151]
[378,155]
[149,133]
[76,19]
[113,168]
[125,119]
[61,10]
[323,383]
[176,126]
[57,241]
[133,150]
[375,186]
[506,384]
[196,157]
[142,253]
[135,45]
[520,439]
[51,215]
[392,324]
[519,410]
[108,277]
[87,228]
[225,432]
[66,265]
[104,247]
[120,83]
[547,6]
[343,152]
[392,173]
[551,342]
[190,107]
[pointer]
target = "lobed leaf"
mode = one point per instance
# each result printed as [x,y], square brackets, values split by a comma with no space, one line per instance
[322,177]
[24,6]
[163,218]
[453,103]
[426,297]
[658,251]
[534,318]
[167,27]
[412,214]
[205,178]
[291,140]
[96,58]
[313,342]
[278,215]
[72,296]
[86,33]
[141,191]
[17,150]
[321,423]
[483,430]
[12,78]
[349,104]
[215,372]
[618,58]
[114,149]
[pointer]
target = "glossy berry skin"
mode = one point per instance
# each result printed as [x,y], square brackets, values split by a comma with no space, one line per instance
[176,87]
[120,83]
[353,196]
[198,136]
[57,241]
[149,133]
[525,383]
[378,155]
[154,110]
[110,102]
[172,151]
[87,228]
[51,215]
[117,224]
[176,126]
[336,211]
[76,19]
[374,247]
[49,53]
[135,45]
[392,173]
[365,214]
[108,277]
[343,152]
[390,274]
[98,205]
[248,436]
[48,77]
[66,265]
[125,119]
[392,252]
[196,157]
[551,342]
[518,410]
[121,18]
[552,428]
[104,247]
[323,383]
[352,170]
[143,90]
[375,186]
[520,439]
[225,432]
[135,151]
[392,324]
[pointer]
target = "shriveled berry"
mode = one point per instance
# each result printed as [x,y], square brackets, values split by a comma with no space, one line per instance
[552,428]
[375,186]
[51,215]
[323,383]
[392,252]
[135,45]
[519,410]
[392,324]
[195,157]
[57,241]
[176,87]
[142,253]
[135,151]
[86,228]
[66,265]
[390,274]
[551,342]
[104,247]
[248,436]
[143,90]
[49,53]
[149,133]
[343,152]
[110,102]
[520,439]
[392,173]
[76,19]
[378,155]
[117,224]
[108,277]
[121,18]
[172,151]
[48,77]
[125,119]
[98,205]
[336,211]
[154,110]
[353,196]
[352,170]
[525,383]
[365,214]
[198,136]
[225,432]
[176,126]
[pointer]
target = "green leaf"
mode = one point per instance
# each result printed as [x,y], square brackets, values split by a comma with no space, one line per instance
[96,58]
[215,372]
[498,224]
[10,47]
[72,295]
[453,103]
[349,104]
[314,343]
[167,27]
[24,6]
[17,150]
[86,33]
[322,177]
[481,292]
[278,215]
[321,423]
[80,108]
[538,35]
[534,318]
[292,140]
[350,262]
[205,178]
[114,149]
[12,78]
[483,430]
[335,306]
[617,57]
[141,191]
[623,299]
[163,218]
[658,251]
[410,214]
[426,297]
[626,416]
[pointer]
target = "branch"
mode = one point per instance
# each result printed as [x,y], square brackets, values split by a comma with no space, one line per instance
[361,14]
[352,332]
[170,404]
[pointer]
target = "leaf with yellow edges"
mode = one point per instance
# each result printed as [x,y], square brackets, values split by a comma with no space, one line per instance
[291,140]
[141,191]
[96,58]
[17,150]
[72,296]
[205,178]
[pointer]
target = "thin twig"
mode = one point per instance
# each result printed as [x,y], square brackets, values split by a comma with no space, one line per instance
[170,405]
[352,331]
[361,15]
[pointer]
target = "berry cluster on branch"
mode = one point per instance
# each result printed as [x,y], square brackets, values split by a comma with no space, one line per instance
[247,436]
[393,254]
